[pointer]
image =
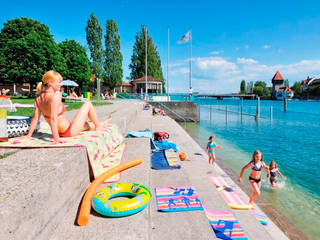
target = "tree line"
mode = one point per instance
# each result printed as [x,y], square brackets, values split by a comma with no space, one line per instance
[260,88]
[28,50]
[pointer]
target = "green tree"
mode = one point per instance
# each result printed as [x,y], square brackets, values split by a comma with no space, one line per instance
[78,65]
[113,56]
[27,51]
[94,39]
[261,89]
[258,90]
[137,64]
[296,88]
[314,90]
[250,87]
[243,86]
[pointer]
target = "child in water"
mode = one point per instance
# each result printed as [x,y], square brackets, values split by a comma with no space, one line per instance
[273,174]
[256,164]
[211,146]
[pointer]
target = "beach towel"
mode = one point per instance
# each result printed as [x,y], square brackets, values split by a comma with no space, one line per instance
[164,144]
[105,149]
[159,161]
[140,134]
[225,225]
[176,199]
[263,219]
[172,159]
[228,194]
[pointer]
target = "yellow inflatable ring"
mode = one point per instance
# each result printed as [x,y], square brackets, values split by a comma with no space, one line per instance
[105,204]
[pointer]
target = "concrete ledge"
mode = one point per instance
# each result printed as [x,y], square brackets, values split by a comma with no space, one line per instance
[99,227]
[36,192]
[188,110]
[39,186]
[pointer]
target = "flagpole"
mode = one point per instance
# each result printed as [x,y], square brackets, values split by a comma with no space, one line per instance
[146,34]
[168,57]
[190,69]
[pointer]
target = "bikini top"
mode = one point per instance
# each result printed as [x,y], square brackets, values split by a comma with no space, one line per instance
[273,172]
[255,168]
[60,113]
[211,145]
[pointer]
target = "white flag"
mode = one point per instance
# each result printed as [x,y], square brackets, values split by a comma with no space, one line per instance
[185,38]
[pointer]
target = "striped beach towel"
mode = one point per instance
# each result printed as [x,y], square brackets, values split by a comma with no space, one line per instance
[105,148]
[225,225]
[263,219]
[172,159]
[228,194]
[173,199]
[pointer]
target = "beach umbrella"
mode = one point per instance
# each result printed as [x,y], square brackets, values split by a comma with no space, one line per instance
[69,83]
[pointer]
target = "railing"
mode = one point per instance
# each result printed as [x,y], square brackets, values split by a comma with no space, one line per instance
[176,114]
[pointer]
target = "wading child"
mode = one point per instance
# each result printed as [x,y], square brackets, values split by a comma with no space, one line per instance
[211,146]
[256,165]
[274,171]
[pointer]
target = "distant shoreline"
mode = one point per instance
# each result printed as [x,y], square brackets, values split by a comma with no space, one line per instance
[289,228]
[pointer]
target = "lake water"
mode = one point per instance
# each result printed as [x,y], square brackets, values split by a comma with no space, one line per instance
[291,138]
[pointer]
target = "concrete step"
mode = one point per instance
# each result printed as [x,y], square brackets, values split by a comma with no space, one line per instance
[39,186]
[99,227]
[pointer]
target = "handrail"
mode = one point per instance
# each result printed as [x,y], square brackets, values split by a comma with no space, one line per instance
[230,111]
[184,120]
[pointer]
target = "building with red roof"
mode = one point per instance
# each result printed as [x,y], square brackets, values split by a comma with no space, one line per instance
[139,85]
[279,90]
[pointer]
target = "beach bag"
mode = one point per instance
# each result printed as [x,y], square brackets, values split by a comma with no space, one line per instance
[159,136]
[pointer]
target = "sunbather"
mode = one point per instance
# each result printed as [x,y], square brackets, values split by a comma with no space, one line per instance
[49,104]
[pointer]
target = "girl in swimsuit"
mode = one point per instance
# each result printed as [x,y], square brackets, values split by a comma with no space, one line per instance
[49,104]
[256,165]
[274,171]
[211,146]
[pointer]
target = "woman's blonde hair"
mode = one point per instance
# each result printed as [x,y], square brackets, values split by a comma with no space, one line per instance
[255,153]
[49,76]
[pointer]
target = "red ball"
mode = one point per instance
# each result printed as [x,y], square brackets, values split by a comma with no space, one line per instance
[182,156]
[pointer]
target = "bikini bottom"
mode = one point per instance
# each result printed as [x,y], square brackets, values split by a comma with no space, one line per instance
[251,179]
[66,133]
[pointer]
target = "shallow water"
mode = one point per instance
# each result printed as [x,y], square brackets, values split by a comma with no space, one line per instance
[291,138]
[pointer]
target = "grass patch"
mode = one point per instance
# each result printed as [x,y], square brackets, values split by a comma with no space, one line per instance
[4,155]
[30,111]
[23,100]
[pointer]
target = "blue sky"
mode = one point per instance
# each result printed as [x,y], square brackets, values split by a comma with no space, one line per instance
[232,40]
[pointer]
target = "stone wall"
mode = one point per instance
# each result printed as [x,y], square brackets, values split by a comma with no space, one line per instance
[187,110]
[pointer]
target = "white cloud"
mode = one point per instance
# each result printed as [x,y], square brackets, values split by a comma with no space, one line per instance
[246,61]
[216,52]
[221,75]
[214,63]
[266,46]
[246,46]
[280,50]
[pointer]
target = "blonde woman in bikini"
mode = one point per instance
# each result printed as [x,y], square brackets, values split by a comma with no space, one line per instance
[256,165]
[49,104]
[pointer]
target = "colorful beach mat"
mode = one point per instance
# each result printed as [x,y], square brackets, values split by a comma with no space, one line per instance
[172,159]
[228,194]
[225,225]
[176,199]
[105,149]
[263,219]
[160,162]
